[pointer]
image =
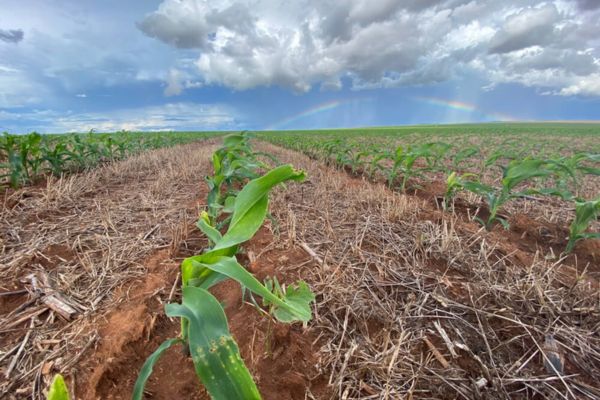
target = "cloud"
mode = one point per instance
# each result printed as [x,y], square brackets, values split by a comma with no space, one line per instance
[11,35]
[588,4]
[174,85]
[529,27]
[243,44]
[177,81]
[172,116]
[19,89]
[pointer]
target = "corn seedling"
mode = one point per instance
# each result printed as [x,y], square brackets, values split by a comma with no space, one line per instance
[374,163]
[55,157]
[233,163]
[58,389]
[514,174]
[568,169]
[585,213]
[463,155]
[434,153]
[204,329]
[404,161]
[454,184]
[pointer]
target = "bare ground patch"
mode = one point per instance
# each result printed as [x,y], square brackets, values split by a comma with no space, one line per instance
[92,235]
[416,303]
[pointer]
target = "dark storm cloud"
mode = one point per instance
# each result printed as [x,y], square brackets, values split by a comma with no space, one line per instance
[530,27]
[11,35]
[588,4]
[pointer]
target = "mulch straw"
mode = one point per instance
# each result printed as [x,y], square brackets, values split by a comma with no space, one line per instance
[416,303]
[81,238]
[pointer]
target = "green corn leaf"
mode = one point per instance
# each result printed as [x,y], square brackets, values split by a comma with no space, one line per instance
[204,225]
[194,271]
[58,389]
[590,170]
[585,212]
[234,140]
[299,298]
[478,188]
[229,205]
[215,353]
[452,180]
[293,306]
[216,163]
[590,235]
[504,223]
[562,193]
[522,170]
[493,158]
[146,371]
[592,157]
[251,204]
[464,154]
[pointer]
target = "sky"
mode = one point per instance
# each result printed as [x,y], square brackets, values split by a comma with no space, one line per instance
[108,65]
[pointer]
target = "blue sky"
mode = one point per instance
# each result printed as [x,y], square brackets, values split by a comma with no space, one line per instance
[275,64]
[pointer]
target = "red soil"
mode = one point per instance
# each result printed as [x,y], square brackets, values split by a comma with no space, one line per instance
[281,358]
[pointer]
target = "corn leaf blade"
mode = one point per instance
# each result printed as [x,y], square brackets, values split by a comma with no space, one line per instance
[58,389]
[146,371]
[215,353]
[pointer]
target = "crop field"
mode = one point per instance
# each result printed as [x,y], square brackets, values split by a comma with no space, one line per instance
[413,262]
[25,159]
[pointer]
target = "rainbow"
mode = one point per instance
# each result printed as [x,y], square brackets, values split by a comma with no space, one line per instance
[319,108]
[462,106]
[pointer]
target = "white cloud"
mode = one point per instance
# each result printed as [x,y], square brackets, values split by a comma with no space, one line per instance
[172,116]
[17,89]
[76,47]
[586,85]
[177,80]
[244,44]
[174,86]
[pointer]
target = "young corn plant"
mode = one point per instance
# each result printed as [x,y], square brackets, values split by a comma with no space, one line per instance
[454,184]
[21,155]
[355,159]
[568,170]
[233,163]
[55,157]
[374,163]
[404,162]
[585,213]
[463,155]
[435,153]
[204,328]
[58,389]
[515,173]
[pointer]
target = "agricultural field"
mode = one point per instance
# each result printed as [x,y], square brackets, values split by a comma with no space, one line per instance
[26,159]
[417,262]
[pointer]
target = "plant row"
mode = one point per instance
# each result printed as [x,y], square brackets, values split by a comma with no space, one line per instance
[237,205]
[513,174]
[25,158]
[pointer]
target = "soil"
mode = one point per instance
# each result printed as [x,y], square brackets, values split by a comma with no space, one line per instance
[513,253]
[525,234]
[281,358]
[285,360]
